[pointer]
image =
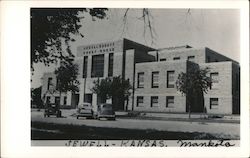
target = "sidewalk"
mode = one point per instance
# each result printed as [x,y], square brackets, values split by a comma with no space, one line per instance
[165,116]
[195,117]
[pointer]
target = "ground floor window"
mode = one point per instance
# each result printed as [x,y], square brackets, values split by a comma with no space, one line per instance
[169,101]
[154,101]
[64,100]
[57,100]
[214,103]
[48,99]
[139,101]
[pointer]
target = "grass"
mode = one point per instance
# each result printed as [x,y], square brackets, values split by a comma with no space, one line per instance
[51,131]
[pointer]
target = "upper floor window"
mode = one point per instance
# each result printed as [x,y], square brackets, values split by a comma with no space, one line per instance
[140,80]
[139,101]
[191,58]
[64,100]
[155,79]
[97,65]
[215,80]
[176,58]
[85,67]
[170,79]
[48,99]
[49,83]
[214,103]
[57,84]
[111,60]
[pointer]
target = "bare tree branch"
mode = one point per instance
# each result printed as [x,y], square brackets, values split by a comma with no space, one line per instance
[147,24]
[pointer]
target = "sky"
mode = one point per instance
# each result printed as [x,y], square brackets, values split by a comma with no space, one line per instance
[217,29]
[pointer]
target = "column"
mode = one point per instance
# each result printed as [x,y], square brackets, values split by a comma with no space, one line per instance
[129,73]
[117,66]
[106,64]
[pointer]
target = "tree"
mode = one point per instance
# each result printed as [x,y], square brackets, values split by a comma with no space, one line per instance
[36,97]
[116,88]
[120,91]
[147,19]
[66,76]
[194,82]
[102,88]
[51,28]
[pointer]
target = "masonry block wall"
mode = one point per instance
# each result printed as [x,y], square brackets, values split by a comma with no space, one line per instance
[162,92]
[223,90]
[130,74]
[49,92]
[212,56]
[236,88]
[105,49]
[183,54]
[158,68]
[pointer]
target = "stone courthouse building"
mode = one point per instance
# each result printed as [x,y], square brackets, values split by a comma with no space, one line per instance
[152,74]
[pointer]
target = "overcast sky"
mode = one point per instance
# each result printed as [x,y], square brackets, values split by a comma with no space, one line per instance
[218,29]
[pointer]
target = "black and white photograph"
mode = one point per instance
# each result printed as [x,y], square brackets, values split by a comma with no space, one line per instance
[107,75]
[135,74]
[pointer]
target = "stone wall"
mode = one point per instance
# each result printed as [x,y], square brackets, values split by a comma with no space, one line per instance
[224,90]
[162,91]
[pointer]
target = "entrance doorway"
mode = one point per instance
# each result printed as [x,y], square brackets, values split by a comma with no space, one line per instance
[57,100]
[88,98]
[75,100]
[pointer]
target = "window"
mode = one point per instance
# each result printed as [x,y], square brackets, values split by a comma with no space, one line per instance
[110,69]
[49,83]
[97,65]
[139,101]
[140,80]
[57,83]
[48,99]
[64,100]
[155,79]
[214,103]
[154,101]
[208,59]
[191,58]
[163,59]
[170,79]
[215,80]
[176,58]
[169,101]
[85,67]
[57,100]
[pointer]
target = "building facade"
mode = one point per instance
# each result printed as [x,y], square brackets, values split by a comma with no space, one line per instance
[152,74]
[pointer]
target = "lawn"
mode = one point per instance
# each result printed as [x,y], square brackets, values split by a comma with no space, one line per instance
[51,131]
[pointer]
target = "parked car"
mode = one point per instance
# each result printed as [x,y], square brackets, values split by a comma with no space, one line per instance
[52,109]
[105,111]
[84,110]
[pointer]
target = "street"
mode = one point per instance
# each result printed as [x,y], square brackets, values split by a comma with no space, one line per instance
[215,130]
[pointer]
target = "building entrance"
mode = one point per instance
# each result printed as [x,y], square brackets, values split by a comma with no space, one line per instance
[88,98]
